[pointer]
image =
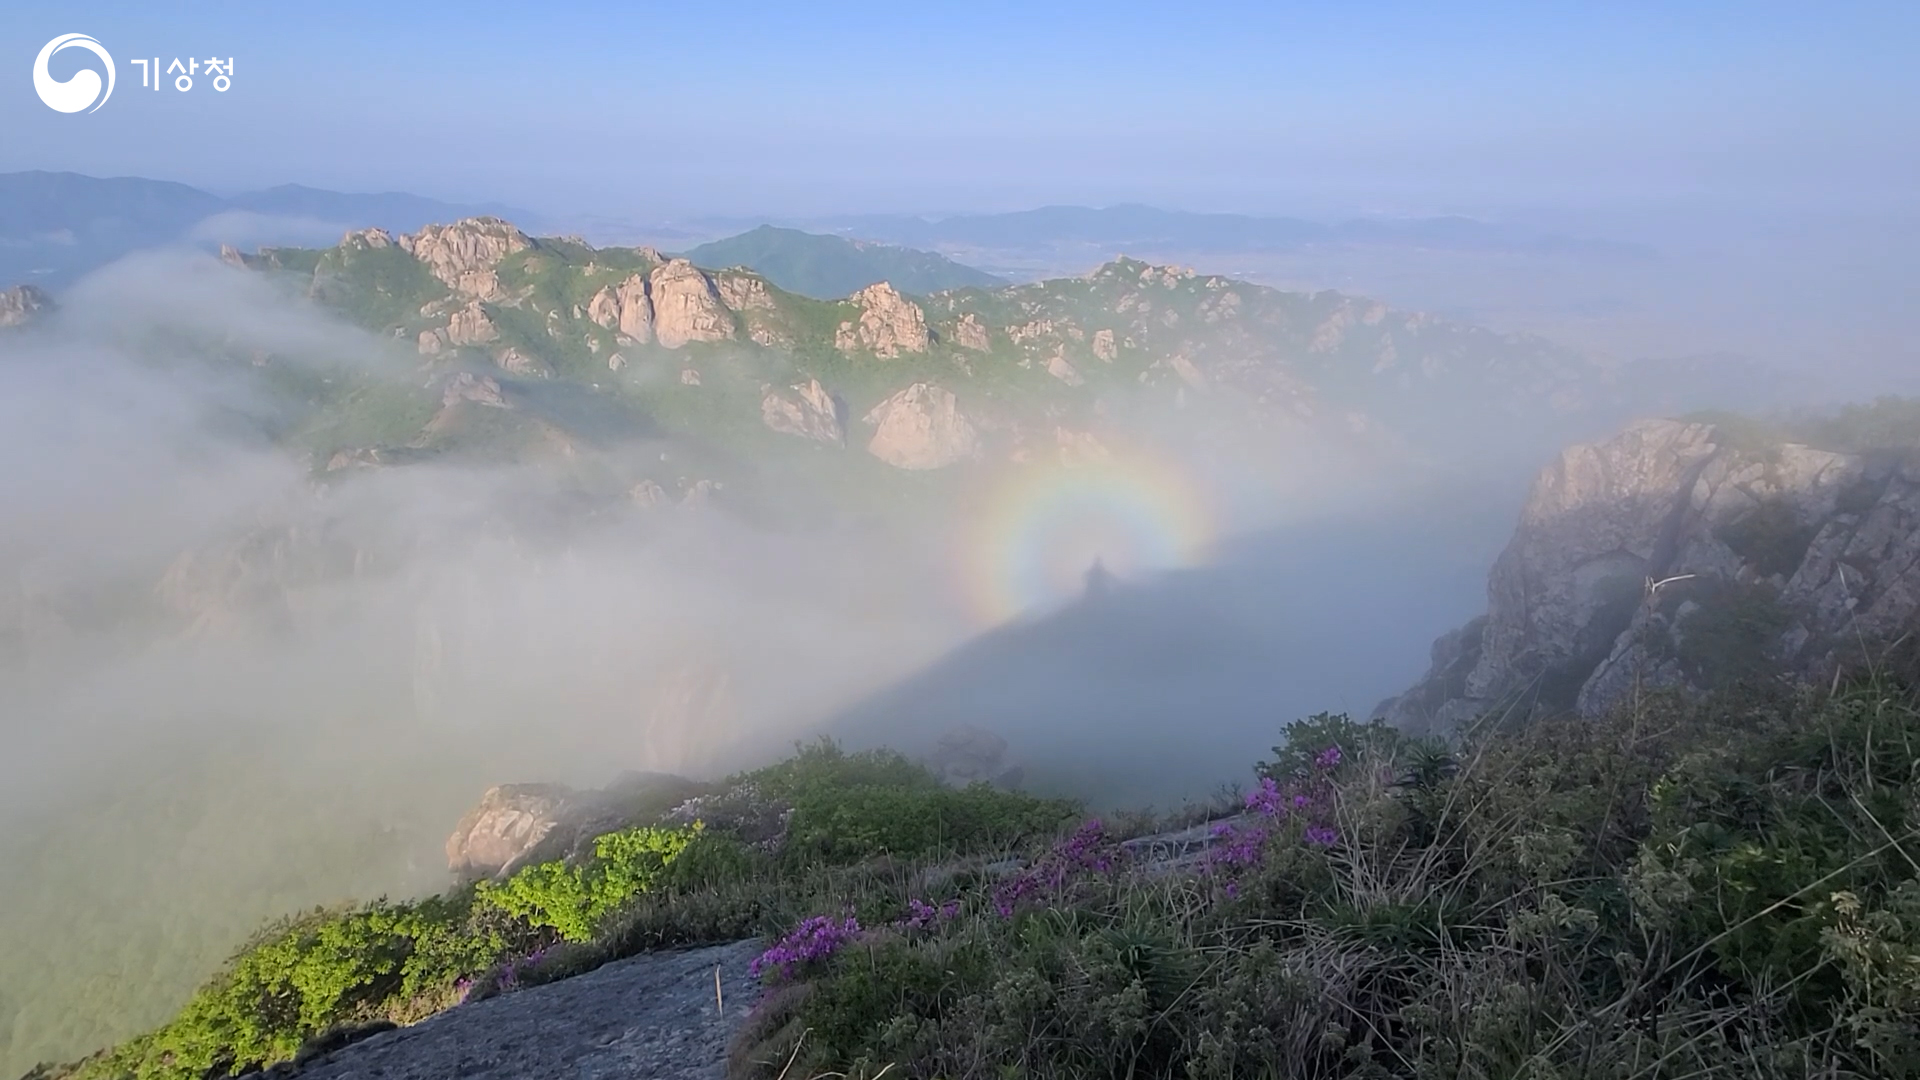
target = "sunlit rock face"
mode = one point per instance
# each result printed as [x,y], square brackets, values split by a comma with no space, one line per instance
[922,427]
[22,304]
[809,411]
[888,324]
[687,306]
[464,254]
[1672,556]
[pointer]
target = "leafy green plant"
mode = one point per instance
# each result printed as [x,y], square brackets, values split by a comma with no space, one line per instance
[572,900]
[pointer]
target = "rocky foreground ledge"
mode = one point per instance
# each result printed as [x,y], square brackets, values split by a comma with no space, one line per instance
[652,1016]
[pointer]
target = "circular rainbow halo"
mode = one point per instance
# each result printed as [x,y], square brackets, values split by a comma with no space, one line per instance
[1041,528]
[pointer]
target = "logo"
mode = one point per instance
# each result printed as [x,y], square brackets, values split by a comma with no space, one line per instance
[83,89]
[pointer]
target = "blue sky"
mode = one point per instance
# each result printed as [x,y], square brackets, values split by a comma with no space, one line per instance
[749,108]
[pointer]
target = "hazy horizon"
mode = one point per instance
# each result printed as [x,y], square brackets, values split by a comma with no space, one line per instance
[1399,108]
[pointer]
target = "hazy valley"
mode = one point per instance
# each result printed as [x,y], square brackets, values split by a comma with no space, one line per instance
[364,529]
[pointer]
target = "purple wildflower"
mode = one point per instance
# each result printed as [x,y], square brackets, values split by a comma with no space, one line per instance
[510,972]
[814,939]
[1327,759]
[1322,836]
[1088,850]
[1236,847]
[1266,798]
[921,915]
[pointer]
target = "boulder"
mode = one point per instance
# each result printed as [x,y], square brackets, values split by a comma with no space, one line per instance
[464,254]
[478,389]
[808,411]
[921,427]
[626,307]
[511,822]
[743,291]
[971,333]
[687,306]
[888,324]
[514,361]
[471,326]
[516,825]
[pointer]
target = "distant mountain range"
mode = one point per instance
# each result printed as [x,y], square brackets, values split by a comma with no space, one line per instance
[533,346]
[830,267]
[55,226]
[1136,228]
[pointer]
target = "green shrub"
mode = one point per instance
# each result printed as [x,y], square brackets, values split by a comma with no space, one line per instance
[860,822]
[1728,640]
[311,975]
[1306,738]
[1771,537]
[572,900]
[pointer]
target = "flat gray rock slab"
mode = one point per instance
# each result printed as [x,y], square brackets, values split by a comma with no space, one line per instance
[649,1017]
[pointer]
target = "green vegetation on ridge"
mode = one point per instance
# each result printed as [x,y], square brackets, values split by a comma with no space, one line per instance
[1718,888]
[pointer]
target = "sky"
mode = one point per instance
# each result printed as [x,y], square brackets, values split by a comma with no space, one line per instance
[749,108]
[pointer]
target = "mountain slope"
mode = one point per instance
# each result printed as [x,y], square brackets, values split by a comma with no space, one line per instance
[830,267]
[1060,369]
[1696,555]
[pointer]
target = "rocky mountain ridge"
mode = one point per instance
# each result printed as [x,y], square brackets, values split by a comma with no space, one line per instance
[1053,368]
[23,304]
[1687,555]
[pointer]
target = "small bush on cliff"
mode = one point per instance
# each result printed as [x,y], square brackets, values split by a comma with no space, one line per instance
[315,973]
[572,900]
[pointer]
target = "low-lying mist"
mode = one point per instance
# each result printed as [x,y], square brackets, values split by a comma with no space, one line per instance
[232,686]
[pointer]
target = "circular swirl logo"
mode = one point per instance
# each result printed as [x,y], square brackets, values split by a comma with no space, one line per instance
[79,92]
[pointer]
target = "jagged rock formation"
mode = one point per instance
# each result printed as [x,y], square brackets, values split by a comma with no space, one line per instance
[743,291]
[514,825]
[1671,556]
[811,413]
[368,239]
[463,254]
[1126,340]
[971,333]
[1061,368]
[479,389]
[626,307]
[471,326]
[515,361]
[921,427]
[687,306]
[494,838]
[22,304]
[888,325]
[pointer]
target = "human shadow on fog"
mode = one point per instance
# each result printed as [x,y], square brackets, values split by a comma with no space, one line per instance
[1161,688]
